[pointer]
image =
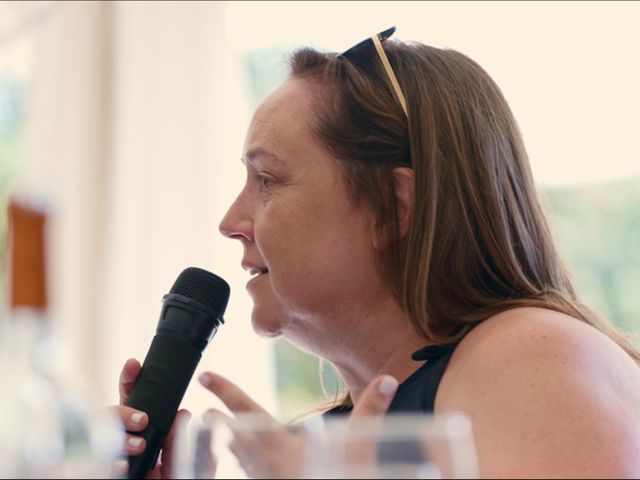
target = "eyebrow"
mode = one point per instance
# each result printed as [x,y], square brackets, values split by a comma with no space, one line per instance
[254,153]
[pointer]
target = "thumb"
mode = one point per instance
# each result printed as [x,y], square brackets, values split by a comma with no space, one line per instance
[376,397]
[128,375]
[368,416]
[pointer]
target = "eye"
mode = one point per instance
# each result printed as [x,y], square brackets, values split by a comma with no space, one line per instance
[264,181]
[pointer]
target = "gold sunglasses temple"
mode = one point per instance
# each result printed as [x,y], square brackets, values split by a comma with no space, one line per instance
[390,74]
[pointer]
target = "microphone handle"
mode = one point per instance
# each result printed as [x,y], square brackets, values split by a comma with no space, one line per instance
[158,391]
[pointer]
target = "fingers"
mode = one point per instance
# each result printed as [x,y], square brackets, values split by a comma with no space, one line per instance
[370,408]
[231,395]
[376,397]
[135,445]
[168,447]
[132,419]
[128,376]
[245,458]
[205,461]
[210,415]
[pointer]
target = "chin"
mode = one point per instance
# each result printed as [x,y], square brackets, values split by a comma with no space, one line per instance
[264,325]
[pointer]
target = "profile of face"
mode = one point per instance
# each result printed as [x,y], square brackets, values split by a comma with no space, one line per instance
[307,245]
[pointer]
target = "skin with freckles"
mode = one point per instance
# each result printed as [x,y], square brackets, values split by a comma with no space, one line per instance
[548,395]
[310,251]
[535,418]
[294,217]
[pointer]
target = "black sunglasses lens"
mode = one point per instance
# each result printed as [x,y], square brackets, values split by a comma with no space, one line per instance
[353,51]
[386,34]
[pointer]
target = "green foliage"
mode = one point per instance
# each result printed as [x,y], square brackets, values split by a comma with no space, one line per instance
[597,230]
[300,388]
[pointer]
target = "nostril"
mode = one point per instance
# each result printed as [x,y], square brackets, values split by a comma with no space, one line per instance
[240,231]
[236,235]
[225,232]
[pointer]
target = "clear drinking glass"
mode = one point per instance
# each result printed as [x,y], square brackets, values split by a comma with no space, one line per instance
[396,446]
[246,446]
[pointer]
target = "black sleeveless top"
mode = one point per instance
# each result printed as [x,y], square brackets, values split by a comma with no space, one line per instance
[418,392]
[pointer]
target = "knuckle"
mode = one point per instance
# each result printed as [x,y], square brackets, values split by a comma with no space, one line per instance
[119,411]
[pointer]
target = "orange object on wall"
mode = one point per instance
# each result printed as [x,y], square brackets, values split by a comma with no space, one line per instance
[27,262]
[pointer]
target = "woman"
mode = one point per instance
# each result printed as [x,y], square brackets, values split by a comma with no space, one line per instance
[390,223]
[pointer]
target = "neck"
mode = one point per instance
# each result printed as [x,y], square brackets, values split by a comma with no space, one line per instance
[366,342]
[389,355]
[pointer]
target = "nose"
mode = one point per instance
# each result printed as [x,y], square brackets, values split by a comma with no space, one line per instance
[236,223]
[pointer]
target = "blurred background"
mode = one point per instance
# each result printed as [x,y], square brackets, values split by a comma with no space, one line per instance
[124,122]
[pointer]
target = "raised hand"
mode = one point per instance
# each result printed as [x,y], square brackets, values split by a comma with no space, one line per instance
[273,450]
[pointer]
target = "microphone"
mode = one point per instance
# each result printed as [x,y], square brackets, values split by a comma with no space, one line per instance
[191,314]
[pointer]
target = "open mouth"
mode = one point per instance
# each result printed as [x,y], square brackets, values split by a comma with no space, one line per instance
[254,272]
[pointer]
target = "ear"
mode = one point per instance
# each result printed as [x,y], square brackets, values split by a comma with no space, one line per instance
[404,184]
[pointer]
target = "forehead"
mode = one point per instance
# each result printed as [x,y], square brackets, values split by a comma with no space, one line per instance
[282,122]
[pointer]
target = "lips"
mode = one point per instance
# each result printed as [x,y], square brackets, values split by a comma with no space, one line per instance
[254,269]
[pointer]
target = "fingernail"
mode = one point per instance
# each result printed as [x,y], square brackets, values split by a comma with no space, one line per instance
[136,417]
[134,441]
[208,417]
[388,386]
[204,380]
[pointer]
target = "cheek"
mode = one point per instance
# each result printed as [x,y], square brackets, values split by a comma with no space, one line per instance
[287,238]
[292,267]
[315,251]
[309,273]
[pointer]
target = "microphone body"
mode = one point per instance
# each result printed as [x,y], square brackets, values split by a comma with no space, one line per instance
[190,317]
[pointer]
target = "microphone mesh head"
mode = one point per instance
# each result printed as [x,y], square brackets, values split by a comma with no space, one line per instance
[204,287]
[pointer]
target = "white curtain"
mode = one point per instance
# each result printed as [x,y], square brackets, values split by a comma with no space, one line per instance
[133,133]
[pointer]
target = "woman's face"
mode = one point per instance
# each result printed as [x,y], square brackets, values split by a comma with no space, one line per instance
[307,246]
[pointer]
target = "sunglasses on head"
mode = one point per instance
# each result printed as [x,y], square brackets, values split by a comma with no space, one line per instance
[376,42]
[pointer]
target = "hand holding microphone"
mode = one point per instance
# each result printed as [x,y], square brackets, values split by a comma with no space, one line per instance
[191,314]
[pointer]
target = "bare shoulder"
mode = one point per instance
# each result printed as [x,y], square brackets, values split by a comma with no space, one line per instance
[534,339]
[548,395]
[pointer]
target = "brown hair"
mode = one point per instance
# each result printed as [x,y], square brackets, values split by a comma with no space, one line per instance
[478,243]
